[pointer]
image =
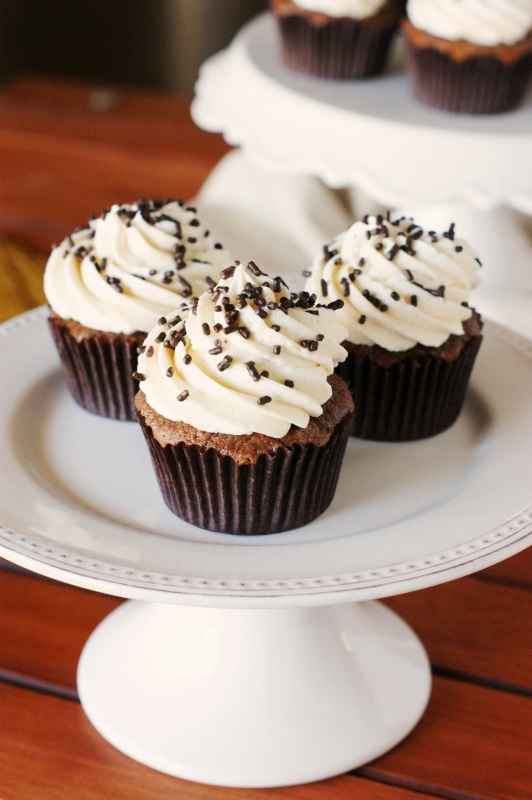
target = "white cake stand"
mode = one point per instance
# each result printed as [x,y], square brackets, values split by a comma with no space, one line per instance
[257,661]
[374,135]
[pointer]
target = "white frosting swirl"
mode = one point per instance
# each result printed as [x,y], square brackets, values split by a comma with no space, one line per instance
[219,366]
[356,9]
[128,267]
[400,285]
[482,22]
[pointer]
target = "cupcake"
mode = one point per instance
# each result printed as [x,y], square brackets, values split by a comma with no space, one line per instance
[412,337]
[470,57]
[337,38]
[245,421]
[110,281]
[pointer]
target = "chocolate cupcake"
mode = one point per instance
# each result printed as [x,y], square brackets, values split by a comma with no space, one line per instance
[245,422]
[108,284]
[339,39]
[469,57]
[412,338]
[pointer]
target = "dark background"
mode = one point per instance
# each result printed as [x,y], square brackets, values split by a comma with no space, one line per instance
[150,44]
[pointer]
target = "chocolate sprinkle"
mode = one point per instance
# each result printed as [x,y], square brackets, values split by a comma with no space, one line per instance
[324,287]
[362,319]
[138,376]
[395,296]
[413,300]
[265,373]
[232,327]
[263,400]
[390,255]
[187,358]
[320,337]
[254,269]
[218,327]
[228,272]
[243,331]
[206,329]
[251,368]
[277,349]
[183,396]
[149,352]
[169,372]
[215,351]
[408,275]
[450,233]
[276,328]
[289,383]
[225,363]
[160,337]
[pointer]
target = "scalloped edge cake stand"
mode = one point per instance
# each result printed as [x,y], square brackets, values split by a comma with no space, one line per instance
[253,683]
[375,136]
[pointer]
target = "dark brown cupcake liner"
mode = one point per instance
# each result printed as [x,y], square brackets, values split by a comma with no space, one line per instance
[411,399]
[276,493]
[342,49]
[98,369]
[480,85]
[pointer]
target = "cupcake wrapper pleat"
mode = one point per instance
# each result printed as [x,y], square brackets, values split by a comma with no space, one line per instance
[483,85]
[98,370]
[277,493]
[339,50]
[412,399]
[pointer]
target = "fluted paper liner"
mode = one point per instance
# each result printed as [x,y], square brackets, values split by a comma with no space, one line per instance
[98,369]
[340,49]
[412,399]
[480,85]
[276,493]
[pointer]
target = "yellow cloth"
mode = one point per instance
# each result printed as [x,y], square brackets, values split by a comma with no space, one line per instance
[21,278]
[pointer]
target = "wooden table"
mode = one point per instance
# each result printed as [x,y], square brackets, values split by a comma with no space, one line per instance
[60,160]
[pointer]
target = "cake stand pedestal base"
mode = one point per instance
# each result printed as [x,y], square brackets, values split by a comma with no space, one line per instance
[253,698]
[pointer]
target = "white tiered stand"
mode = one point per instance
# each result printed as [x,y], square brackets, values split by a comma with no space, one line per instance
[374,135]
[266,661]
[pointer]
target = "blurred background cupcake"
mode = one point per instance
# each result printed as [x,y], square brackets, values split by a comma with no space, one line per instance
[337,38]
[472,56]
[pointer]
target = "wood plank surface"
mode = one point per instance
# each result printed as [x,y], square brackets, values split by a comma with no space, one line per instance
[44,625]
[516,570]
[474,629]
[63,158]
[50,751]
[472,741]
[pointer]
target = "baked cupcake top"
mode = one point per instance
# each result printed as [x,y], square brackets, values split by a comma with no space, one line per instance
[129,266]
[356,9]
[401,285]
[482,22]
[248,357]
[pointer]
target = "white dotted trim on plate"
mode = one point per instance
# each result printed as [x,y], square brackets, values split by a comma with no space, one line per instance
[510,532]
